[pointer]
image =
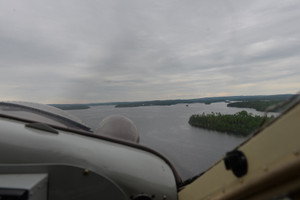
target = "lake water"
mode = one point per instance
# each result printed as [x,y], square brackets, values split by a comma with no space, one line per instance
[166,130]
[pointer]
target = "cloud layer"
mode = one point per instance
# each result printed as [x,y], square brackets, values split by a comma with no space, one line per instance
[122,50]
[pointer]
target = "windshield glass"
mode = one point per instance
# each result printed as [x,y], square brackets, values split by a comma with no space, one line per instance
[169,66]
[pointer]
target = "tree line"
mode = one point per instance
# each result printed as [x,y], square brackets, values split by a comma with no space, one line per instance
[239,124]
[257,105]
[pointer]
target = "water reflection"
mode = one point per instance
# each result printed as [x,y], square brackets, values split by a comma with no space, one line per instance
[166,129]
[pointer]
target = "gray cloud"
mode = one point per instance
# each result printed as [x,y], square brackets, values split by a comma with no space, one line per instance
[97,51]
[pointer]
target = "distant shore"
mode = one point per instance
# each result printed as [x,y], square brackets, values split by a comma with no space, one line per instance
[257,105]
[261,102]
[270,99]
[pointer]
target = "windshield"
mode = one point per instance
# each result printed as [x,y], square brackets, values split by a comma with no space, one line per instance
[166,65]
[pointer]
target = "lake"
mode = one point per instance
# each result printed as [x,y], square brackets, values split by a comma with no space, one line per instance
[166,130]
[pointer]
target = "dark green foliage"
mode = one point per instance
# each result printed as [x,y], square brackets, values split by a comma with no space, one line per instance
[240,124]
[257,105]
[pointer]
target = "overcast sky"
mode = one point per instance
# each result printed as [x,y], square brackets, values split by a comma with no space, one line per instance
[74,51]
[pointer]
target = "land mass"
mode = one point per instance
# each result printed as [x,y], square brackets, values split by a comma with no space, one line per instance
[206,100]
[239,124]
[258,105]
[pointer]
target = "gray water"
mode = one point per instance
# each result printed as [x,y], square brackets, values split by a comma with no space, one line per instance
[166,130]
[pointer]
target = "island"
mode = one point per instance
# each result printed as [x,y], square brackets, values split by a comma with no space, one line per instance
[239,124]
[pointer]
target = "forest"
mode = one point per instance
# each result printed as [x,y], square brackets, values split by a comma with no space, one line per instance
[239,124]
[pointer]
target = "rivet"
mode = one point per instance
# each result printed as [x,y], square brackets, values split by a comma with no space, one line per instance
[86,172]
[164,196]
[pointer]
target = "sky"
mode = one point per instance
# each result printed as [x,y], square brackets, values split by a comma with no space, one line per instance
[74,51]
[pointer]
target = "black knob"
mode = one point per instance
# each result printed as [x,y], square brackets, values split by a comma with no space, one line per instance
[237,162]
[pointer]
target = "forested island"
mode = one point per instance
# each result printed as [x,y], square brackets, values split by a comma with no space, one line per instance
[239,124]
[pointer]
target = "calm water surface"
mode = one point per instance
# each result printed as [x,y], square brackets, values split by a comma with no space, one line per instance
[166,130]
